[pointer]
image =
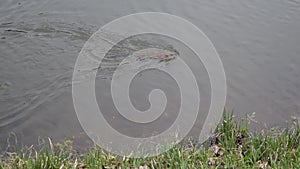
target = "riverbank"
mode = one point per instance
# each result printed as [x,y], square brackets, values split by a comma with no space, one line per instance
[233,146]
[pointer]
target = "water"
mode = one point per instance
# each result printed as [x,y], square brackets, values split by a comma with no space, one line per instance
[258,42]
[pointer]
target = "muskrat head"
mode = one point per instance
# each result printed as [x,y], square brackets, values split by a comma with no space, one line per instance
[171,49]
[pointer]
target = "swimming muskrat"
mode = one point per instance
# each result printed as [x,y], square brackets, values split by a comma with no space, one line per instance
[156,54]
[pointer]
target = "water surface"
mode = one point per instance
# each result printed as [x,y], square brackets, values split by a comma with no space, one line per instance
[258,42]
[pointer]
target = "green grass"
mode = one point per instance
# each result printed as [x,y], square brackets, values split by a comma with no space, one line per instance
[233,146]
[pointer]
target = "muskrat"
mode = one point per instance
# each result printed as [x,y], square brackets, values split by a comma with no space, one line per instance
[155,53]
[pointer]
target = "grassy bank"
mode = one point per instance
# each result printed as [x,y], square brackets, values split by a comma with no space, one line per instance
[232,147]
